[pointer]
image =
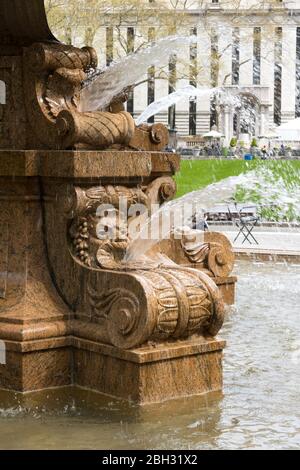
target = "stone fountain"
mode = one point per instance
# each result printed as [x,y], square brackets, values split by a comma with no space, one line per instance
[70,311]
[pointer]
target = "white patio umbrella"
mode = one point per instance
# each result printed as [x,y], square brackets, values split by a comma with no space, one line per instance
[213,135]
[289,130]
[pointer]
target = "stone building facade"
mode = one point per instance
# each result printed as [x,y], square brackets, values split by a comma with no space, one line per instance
[250,48]
[259,62]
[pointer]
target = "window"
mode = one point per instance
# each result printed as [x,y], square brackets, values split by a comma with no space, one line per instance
[172,88]
[193,117]
[130,49]
[235,77]
[193,81]
[109,45]
[214,58]
[297,110]
[256,55]
[151,76]
[277,75]
[214,74]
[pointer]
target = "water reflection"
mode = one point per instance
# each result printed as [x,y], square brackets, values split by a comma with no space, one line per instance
[97,421]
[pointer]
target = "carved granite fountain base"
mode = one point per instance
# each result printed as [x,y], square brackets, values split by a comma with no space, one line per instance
[65,321]
[70,311]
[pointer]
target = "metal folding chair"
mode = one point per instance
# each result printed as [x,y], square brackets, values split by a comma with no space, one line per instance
[245,224]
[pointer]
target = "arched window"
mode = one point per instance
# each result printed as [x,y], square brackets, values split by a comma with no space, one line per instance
[2,92]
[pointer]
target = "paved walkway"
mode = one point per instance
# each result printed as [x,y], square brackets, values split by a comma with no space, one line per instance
[270,240]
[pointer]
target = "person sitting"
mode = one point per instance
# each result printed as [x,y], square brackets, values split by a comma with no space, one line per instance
[264,153]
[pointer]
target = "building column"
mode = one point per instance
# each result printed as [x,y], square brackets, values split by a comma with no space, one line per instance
[203,103]
[288,98]
[227,124]
[140,93]
[225,40]
[246,56]
[264,120]
[267,65]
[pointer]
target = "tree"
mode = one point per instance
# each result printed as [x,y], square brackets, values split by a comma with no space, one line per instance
[78,21]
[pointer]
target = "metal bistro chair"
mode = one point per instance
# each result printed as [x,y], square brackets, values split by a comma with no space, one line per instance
[200,224]
[245,223]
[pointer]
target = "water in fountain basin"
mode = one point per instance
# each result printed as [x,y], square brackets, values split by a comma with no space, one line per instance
[101,90]
[260,408]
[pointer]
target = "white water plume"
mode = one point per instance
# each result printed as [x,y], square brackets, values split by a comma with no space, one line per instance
[180,212]
[173,98]
[276,192]
[268,188]
[128,71]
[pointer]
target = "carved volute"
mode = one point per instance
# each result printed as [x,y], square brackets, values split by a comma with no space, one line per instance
[47,79]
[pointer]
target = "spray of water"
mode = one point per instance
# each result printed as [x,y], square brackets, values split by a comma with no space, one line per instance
[268,187]
[173,98]
[102,87]
[100,91]
[181,212]
[276,191]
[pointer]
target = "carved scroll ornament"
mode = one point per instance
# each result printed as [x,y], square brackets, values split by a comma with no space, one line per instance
[213,253]
[174,303]
[160,300]
[54,74]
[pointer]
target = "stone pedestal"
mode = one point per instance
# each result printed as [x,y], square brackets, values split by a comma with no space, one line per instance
[148,374]
[54,333]
[144,375]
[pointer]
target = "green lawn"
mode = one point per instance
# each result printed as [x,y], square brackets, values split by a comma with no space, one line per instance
[196,174]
